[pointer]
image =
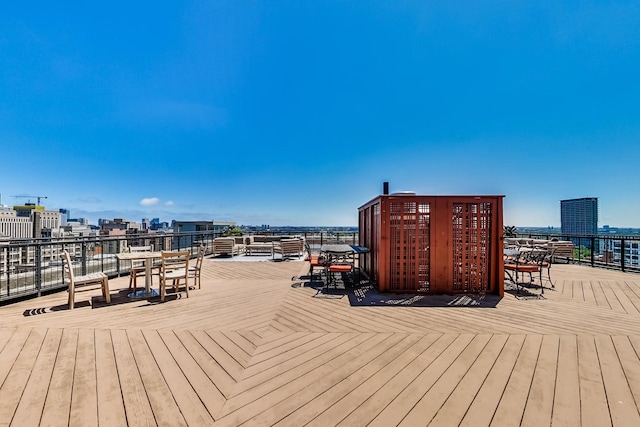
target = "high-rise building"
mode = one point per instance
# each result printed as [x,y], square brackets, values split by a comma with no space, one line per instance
[579,217]
[65,214]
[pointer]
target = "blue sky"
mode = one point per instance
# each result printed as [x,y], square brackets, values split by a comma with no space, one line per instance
[296,112]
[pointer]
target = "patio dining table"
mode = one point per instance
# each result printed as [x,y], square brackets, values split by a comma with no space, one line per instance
[148,258]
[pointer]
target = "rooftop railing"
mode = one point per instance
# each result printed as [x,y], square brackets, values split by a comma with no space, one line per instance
[611,251]
[34,267]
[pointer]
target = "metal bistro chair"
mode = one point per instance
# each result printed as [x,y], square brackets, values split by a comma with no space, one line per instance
[316,261]
[526,261]
[174,268]
[337,264]
[542,257]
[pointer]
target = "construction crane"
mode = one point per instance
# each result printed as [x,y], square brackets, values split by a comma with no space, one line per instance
[33,197]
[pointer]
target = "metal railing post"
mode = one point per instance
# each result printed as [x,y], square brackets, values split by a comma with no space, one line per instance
[622,254]
[38,272]
[84,257]
[8,252]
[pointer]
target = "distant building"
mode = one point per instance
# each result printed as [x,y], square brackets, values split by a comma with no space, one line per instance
[195,226]
[579,217]
[119,224]
[614,250]
[65,214]
[45,222]
[13,226]
[28,221]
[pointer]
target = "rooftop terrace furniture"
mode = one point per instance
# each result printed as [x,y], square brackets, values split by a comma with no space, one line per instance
[174,268]
[195,270]
[316,260]
[518,262]
[74,281]
[227,246]
[261,247]
[138,267]
[289,247]
[563,250]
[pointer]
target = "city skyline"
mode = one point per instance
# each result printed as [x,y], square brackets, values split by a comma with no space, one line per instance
[295,113]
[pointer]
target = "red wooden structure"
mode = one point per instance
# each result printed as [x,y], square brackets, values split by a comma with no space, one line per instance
[433,244]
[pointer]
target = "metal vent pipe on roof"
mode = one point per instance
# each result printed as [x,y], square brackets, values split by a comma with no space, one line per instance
[385,188]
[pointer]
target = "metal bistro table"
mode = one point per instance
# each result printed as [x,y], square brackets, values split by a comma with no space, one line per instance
[148,258]
[344,250]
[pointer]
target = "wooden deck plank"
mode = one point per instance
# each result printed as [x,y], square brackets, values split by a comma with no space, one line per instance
[456,405]
[421,383]
[483,407]
[593,398]
[297,344]
[599,295]
[234,350]
[31,403]
[620,291]
[330,415]
[433,400]
[611,295]
[566,404]
[219,378]
[16,380]
[182,378]
[297,362]
[514,399]
[253,347]
[110,404]
[259,398]
[15,341]
[84,402]
[630,361]
[230,365]
[134,395]
[631,291]
[58,402]
[335,384]
[622,407]
[539,408]
[162,401]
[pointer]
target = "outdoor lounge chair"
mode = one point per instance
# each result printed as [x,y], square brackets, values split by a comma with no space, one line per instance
[227,246]
[74,281]
[288,247]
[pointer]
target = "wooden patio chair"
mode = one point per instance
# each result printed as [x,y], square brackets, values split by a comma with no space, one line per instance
[195,270]
[138,268]
[174,268]
[74,281]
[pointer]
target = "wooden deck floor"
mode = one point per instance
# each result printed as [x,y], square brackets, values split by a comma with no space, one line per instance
[253,348]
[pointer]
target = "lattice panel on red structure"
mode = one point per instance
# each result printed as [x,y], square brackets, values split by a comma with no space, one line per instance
[433,244]
[409,232]
[471,239]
